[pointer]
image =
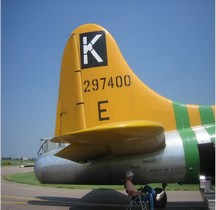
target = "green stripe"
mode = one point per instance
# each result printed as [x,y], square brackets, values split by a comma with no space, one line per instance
[190,144]
[191,155]
[181,116]
[206,114]
[207,119]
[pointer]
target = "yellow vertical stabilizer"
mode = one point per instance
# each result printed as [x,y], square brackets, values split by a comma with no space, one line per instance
[98,87]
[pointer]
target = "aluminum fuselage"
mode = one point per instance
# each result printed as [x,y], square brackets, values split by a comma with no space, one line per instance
[165,166]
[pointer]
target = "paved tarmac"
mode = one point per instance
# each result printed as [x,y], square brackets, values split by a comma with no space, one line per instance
[22,197]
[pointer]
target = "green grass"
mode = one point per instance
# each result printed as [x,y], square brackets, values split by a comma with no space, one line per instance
[29,178]
[16,162]
[24,178]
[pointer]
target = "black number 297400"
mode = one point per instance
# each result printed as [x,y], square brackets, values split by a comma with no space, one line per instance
[104,82]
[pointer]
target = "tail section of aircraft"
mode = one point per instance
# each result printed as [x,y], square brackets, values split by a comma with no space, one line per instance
[112,120]
[98,87]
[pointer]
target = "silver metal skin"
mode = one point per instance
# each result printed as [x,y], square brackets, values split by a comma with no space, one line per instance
[165,166]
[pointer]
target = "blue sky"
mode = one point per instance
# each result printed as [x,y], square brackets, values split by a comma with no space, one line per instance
[168,43]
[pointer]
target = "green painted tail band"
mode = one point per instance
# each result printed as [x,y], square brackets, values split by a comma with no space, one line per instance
[207,115]
[182,118]
[191,155]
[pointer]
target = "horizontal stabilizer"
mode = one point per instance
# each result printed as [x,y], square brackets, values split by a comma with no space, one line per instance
[116,139]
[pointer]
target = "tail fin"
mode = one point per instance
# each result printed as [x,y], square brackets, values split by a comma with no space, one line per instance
[97,87]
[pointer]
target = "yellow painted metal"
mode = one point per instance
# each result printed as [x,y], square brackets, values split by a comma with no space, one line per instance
[94,101]
[194,115]
[70,114]
[213,108]
[120,95]
[115,139]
